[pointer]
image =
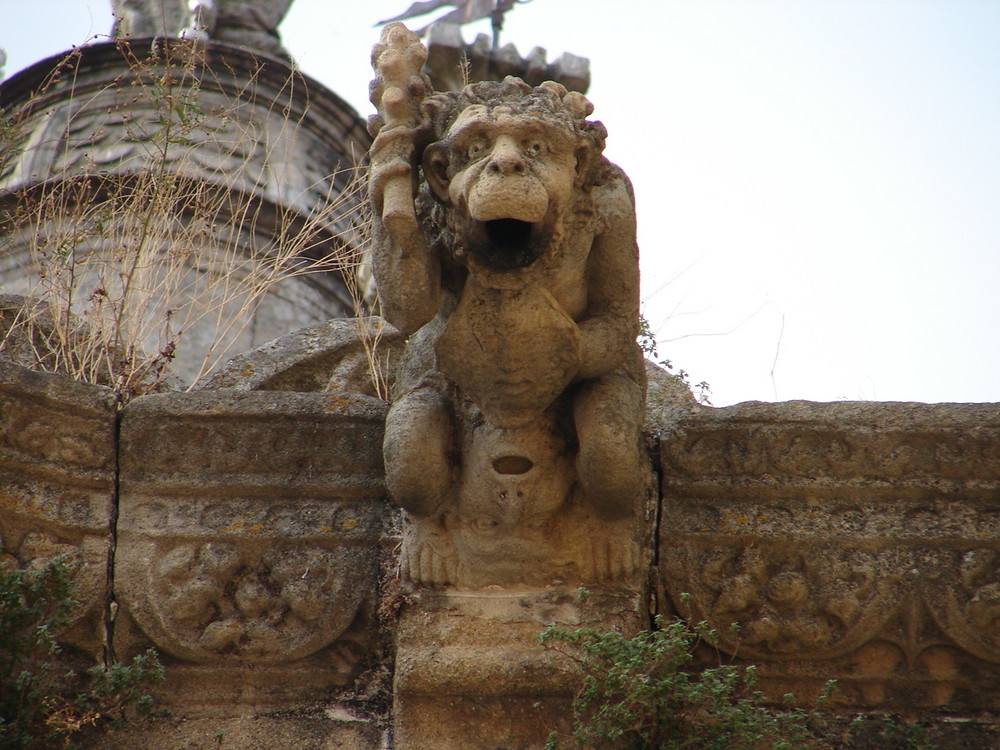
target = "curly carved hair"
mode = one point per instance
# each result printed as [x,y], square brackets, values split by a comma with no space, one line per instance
[567,110]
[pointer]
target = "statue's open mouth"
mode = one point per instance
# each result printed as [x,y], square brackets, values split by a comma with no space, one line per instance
[505,244]
[509,234]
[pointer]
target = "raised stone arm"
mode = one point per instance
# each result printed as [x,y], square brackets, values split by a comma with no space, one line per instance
[408,274]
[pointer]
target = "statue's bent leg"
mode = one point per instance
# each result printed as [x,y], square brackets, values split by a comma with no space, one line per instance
[416,446]
[608,416]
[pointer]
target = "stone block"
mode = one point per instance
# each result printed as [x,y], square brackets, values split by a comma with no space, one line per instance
[249,538]
[337,355]
[852,541]
[57,484]
[472,675]
[305,730]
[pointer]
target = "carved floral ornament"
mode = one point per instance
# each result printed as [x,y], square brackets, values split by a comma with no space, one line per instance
[249,526]
[212,601]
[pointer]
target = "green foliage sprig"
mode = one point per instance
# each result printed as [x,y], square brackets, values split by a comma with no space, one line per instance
[44,702]
[646,340]
[643,693]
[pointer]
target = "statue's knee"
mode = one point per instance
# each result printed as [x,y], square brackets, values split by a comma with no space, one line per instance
[609,462]
[610,473]
[415,448]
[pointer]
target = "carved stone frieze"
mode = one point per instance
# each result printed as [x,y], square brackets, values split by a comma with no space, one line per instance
[249,535]
[852,541]
[870,449]
[217,602]
[967,599]
[820,602]
[57,461]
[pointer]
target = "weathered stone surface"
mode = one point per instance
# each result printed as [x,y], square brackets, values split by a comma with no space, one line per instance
[855,541]
[138,18]
[321,729]
[470,672]
[248,540]
[351,356]
[263,128]
[513,437]
[57,484]
[249,23]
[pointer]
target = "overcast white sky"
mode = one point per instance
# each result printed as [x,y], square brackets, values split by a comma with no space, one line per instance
[818,182]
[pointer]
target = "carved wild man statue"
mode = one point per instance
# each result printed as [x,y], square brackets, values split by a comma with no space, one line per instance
[506,252]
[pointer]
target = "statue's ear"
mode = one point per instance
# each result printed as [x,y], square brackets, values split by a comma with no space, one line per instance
[436,169]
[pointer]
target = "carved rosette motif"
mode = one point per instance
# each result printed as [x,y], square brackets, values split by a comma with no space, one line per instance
[217,601]
[86,559]
[968,601]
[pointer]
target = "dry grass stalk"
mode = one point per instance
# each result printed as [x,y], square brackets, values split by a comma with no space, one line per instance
[126,264]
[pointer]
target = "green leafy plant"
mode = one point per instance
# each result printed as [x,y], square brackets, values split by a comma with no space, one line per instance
[45,701]
[887,732]
[644,692]
[646,339]
[702,391]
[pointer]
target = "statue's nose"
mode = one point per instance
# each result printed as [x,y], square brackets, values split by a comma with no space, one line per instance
[507,159]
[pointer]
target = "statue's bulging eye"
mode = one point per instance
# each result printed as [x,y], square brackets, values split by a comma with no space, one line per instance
[534,148]
[477,149]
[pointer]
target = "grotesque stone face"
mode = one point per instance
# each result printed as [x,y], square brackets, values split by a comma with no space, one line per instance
[509,177]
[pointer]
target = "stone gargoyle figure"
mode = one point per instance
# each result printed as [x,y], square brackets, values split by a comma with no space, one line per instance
[506,251]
